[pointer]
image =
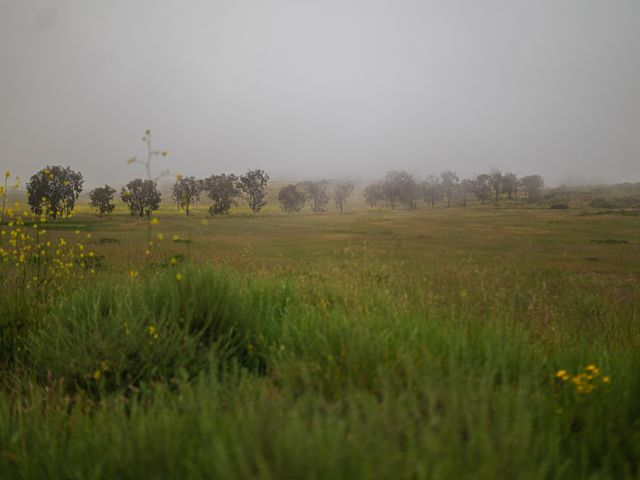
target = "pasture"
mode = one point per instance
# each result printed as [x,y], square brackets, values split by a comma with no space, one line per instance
[472,342]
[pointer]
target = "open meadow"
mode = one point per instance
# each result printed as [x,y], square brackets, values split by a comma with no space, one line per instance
[470,342]
[323,240]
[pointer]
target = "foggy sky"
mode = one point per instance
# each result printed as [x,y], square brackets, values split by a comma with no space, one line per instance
[325,88]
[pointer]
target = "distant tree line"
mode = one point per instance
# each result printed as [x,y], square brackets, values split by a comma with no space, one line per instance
[223,191]
[54,190]
[318,194]
[401,188]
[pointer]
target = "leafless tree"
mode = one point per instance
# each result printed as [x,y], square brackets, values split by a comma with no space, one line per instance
[431,189]
[317,192]
[374,193]
[533,186]
[495,181]
[450,183]
[291,199]
[341,192]
[481,187]
[510,184]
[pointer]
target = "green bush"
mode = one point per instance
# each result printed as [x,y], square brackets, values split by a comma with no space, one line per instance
[112,336]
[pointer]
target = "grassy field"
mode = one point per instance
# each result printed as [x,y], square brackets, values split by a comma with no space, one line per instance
[475,342]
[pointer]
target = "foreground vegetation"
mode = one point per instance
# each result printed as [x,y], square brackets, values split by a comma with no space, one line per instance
[377,344]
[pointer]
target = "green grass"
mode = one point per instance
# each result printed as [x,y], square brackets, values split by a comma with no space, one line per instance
[373,344]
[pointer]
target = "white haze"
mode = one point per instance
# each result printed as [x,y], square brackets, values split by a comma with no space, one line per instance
[324,88]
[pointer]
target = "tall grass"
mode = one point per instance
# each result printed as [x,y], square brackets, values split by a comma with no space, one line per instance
[243,377]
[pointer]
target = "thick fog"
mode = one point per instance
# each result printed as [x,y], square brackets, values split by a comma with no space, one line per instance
[329,88]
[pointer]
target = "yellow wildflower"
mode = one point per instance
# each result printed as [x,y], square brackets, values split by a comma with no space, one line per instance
[593,369]
[152,331]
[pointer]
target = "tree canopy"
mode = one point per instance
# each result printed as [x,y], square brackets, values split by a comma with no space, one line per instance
[101,199]
[141,196]
[54,190]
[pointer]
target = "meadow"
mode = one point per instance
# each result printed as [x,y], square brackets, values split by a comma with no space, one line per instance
[478,342]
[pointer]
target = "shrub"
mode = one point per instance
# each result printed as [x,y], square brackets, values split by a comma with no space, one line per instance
[114,336]
[101,199]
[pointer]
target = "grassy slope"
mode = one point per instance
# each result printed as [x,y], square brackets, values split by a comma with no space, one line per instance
[372,344]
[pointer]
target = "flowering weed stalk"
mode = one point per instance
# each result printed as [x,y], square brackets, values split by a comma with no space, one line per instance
[151,154]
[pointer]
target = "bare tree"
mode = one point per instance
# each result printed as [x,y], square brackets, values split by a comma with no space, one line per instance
[374,193]
[341,192]
[253,186]
[450,183]
[431,189]
[510,184]
[466,189]
[317,193]
[481,187]
[533,186]
[291,199]
[186,191]
[409,192]
[223,192]
[495,181]
[398,186]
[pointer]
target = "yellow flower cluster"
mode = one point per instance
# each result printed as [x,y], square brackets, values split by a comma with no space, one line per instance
[152,332]
[29,256]
[103,368]
[586,381]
